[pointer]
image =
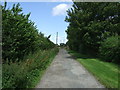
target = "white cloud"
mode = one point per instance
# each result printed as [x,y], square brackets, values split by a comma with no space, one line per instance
[61,9]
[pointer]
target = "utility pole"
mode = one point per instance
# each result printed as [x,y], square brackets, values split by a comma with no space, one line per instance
[56,38]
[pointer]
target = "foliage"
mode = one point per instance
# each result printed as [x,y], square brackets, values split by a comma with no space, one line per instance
[20,35]
[110,49]
[91,23]
[27,73]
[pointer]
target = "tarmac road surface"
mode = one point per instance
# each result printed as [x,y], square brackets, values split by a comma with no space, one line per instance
[66,72]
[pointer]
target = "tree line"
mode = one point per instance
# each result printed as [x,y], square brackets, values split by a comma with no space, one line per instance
[20,36]
[26,52]
[94,28]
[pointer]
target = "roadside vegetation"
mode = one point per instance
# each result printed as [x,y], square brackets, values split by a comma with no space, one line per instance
[27,73]
[105,72]
[94,30]
[26,51]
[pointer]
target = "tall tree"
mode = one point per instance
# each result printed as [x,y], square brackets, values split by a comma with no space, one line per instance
[20,35]
[91,23]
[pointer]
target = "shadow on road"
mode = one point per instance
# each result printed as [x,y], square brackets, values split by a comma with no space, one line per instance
[78,55]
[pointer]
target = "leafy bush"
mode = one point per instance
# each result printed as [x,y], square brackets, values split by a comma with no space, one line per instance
[19,34]
[25,74]
[110,49]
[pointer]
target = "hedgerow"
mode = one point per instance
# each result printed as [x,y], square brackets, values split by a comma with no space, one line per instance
[110,49]
[27,73]
[26,51]
[90,23]
[20,35]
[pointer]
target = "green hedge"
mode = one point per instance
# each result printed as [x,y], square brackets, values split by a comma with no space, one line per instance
[26,74]
[110,49]
[19,34]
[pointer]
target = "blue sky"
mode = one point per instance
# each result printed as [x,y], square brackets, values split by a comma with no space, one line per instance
[48,16]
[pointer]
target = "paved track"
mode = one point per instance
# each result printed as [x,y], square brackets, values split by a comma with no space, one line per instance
[65,72]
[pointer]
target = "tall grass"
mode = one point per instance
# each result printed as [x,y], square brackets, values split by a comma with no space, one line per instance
[26,74]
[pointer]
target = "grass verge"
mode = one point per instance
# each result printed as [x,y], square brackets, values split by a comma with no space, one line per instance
[105,72]
[27,74]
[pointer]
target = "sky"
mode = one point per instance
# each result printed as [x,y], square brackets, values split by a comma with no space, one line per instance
[48,17]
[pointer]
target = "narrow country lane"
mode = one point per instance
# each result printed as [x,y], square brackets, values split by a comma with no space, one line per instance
[65,72]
